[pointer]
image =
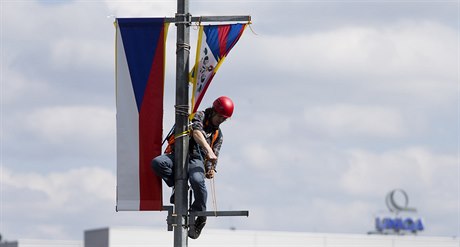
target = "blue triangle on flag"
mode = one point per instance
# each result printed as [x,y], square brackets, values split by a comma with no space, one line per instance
[140,39]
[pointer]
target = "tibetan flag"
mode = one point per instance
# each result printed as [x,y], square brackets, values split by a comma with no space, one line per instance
[140,65]
[214,43]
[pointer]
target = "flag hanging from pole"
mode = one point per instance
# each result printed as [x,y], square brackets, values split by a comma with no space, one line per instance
[140,64]
[214,44]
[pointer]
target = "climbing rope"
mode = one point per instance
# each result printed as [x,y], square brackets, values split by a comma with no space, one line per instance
[212,180]
[250,27]
[182,110]
[213,194]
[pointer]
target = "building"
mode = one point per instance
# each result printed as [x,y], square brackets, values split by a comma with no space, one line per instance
[159,237]
[42,243]
[151,237]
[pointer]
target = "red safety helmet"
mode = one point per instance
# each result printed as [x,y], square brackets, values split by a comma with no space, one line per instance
[224,106]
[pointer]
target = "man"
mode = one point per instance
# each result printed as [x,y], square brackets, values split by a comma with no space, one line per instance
[204,147]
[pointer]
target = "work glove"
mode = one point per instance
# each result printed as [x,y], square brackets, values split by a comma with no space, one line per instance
[210,174]
[210,169]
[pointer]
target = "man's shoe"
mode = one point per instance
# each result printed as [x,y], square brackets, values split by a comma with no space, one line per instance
[195,230]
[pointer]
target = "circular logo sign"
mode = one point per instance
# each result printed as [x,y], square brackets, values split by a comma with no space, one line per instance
[398,201]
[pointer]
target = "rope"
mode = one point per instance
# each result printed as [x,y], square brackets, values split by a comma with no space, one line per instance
[185,133]
[182,110]
[184,46]
[212,182]
[250,27]
[213,194]
[213,187]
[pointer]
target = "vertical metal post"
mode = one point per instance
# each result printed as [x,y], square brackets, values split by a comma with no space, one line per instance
[182,105]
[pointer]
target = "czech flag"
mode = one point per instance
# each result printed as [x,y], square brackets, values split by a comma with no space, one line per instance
[140,65]
[214,44]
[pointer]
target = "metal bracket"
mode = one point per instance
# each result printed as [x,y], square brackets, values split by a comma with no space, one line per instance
[171,218]
[183,19]
[200,19]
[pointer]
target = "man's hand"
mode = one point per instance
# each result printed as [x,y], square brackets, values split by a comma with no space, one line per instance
[210,174]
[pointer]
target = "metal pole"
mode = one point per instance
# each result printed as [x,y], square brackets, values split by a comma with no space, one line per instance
[182,105]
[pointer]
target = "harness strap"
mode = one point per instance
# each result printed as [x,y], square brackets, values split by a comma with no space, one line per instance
[214,138]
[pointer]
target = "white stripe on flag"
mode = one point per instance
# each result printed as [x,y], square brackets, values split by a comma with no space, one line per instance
[128,192]
[206,67]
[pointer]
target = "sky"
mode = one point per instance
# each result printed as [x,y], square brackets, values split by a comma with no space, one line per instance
[337,103]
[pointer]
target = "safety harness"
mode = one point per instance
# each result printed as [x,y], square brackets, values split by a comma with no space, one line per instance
[171,139]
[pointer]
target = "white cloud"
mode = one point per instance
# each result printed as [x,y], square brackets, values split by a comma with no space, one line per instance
[48,22]
[258,156]
[405,58]
[355,120]
[16,86]
[68,190]
[414,168]
[322,189]
[50,230]
[399,49]
[83,53]
[141,8]
[56,205]
[67,124]
[430,179]
[269,142]
[331,212]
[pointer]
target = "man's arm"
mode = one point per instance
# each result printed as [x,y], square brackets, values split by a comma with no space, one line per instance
[201,140]
[210,156]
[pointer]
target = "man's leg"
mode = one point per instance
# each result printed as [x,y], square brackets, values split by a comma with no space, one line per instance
[197,181]
[163,166]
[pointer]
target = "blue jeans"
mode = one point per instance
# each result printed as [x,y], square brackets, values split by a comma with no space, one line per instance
[163,166]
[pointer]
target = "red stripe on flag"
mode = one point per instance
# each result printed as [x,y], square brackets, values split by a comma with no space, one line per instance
[198,100]
[236,40]
[223,36]
[150,132]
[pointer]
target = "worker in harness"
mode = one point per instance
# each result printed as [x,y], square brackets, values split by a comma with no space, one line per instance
[204,146]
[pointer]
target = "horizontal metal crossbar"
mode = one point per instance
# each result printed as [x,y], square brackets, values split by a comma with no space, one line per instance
[219,213]
[171,219]
[212,18]
[215,214]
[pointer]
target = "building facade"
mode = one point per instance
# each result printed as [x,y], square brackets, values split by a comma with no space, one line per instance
[156,237]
